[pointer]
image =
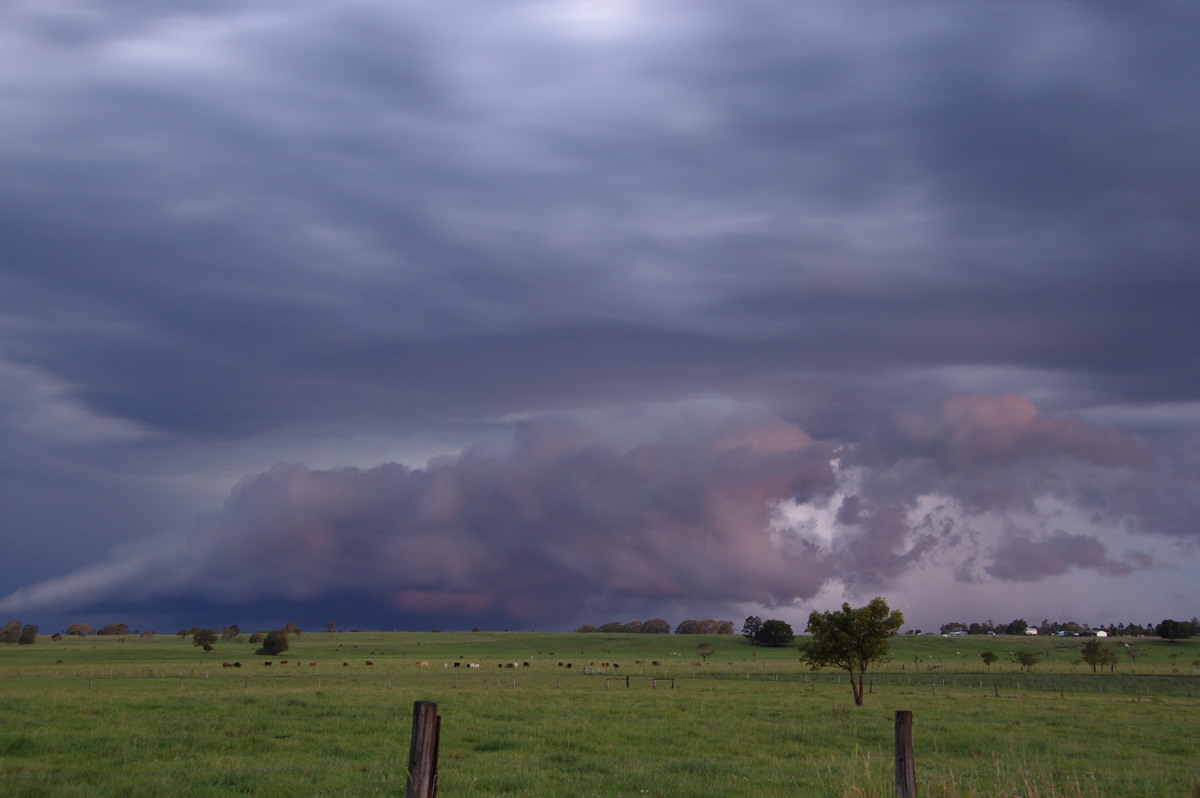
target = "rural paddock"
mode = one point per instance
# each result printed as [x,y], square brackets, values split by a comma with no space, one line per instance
[160,717]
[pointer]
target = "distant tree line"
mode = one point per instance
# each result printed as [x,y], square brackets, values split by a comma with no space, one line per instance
[1017,627]
[654,626]
[706,627]
[658,626]
[270,642]
[1169,629]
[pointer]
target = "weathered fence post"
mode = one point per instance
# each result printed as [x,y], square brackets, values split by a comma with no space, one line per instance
[906,776]
[423,751]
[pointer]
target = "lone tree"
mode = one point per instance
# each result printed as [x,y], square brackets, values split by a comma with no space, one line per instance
[28,634]
[851,639]
[775,633]
[1027,659]
[273,643]
[988,658]
[750,629]
[204,638]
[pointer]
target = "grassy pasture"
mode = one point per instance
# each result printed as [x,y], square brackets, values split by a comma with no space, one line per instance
[157,716]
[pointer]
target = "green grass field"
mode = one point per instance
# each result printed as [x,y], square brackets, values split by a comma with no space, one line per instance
[96,716]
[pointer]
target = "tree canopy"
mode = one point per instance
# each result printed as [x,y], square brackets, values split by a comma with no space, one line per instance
[1173,630]
[751,627]
[274,643]
[1097,654]
[775,633]
[851,639]
[709,626]
[204,638]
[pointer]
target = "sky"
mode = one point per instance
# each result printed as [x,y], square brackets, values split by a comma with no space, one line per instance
[525,314]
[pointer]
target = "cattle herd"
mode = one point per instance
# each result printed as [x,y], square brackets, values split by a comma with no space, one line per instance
[425,664]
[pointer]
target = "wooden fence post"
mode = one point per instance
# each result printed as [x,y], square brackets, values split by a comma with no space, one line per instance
[423,751]
[906,777]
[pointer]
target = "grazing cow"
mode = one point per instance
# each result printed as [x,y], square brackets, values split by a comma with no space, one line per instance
[526,664]
[422,664]
[655,663]
[283,662]
[472,664]
[268,662]
[616,666]
[313,664]
[345,664]
[368,662]
[226,664]
[510,665]
[237,664]
[457,664]
[568,664]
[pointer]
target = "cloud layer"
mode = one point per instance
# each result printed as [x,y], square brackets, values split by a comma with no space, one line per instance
[951,250]
[579,515]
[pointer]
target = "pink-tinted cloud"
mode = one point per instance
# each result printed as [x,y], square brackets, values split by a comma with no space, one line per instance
[633,511]
[565,517]
[979,430]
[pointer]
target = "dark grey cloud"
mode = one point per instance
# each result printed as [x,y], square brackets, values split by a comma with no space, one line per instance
[232,228]
[1024,560]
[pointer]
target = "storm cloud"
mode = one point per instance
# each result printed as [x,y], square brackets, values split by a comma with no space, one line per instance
[588,514]
[946,253]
